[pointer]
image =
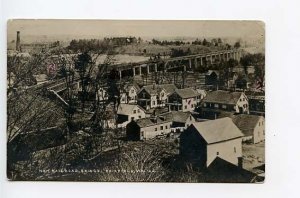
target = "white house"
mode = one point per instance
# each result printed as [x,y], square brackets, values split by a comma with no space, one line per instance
[217,101]
[148,128]
[180,120]
[183,100]
[129,112]
[129,94]
[202,142]
[253,127]
[152,96]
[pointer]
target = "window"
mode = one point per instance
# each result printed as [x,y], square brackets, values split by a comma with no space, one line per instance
[155,129]
[134,111]
[264,132]
[234,149]
[140,117]
[144,95]
[153,102]
[192,106]
[224,106]
[185,107]
[132,118]
[243,99]
[217,153]
[205,104]
[139,111]
[161,127]
[166,126]
[132,91]
[216,105]
[190,117]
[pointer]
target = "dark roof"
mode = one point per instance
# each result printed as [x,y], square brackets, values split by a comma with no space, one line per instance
[246,122]
[154,89]
[177,116]
[145,122]
[223,97]
[222,171]
[187,93]
[218,130]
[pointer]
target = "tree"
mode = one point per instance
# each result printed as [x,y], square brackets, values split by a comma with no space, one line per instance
[237,45]
[204,42]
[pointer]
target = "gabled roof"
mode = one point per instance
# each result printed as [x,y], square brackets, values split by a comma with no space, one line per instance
[246,122]
[223,97]
[155,89]
[218,130]
[177,116]
[187,93]
[222,171]
[201,92]
[145,122]
[127,87]
[127,109]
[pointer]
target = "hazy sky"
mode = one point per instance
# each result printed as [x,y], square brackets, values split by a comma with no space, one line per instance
[140,28]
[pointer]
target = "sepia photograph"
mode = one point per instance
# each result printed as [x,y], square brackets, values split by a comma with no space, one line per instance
[179,101]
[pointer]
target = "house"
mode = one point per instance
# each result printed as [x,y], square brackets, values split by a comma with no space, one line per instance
[256,103]
[217,101]
[152,96]
[129,112]
[183,100]
[202,142]
[252,126]
[129,94]
[180,120]
[102,94]
[222,171]
[202,94]
[148,128]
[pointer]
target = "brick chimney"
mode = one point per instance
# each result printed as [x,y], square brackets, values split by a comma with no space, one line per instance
[18,43]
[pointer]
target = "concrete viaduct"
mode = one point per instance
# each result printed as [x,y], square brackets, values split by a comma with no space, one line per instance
[190,62]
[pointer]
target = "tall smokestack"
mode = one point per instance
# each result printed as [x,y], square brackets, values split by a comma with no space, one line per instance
[18,43]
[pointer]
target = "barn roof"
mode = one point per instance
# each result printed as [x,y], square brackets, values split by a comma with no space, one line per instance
[246,122]
[223,97]
[187,93]
[218,130]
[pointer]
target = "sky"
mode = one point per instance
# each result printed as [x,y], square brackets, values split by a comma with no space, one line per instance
[138,28]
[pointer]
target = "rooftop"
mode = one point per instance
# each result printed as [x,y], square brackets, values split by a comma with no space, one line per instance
[127,109]
[154,89]
[223,97]
[246,122]
[218,130]
[145,122]
[187,93]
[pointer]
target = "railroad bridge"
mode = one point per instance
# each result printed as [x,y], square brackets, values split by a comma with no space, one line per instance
[186,62]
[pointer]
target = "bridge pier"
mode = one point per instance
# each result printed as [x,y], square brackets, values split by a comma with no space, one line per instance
[155,67]
[120,74]
[148,69]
